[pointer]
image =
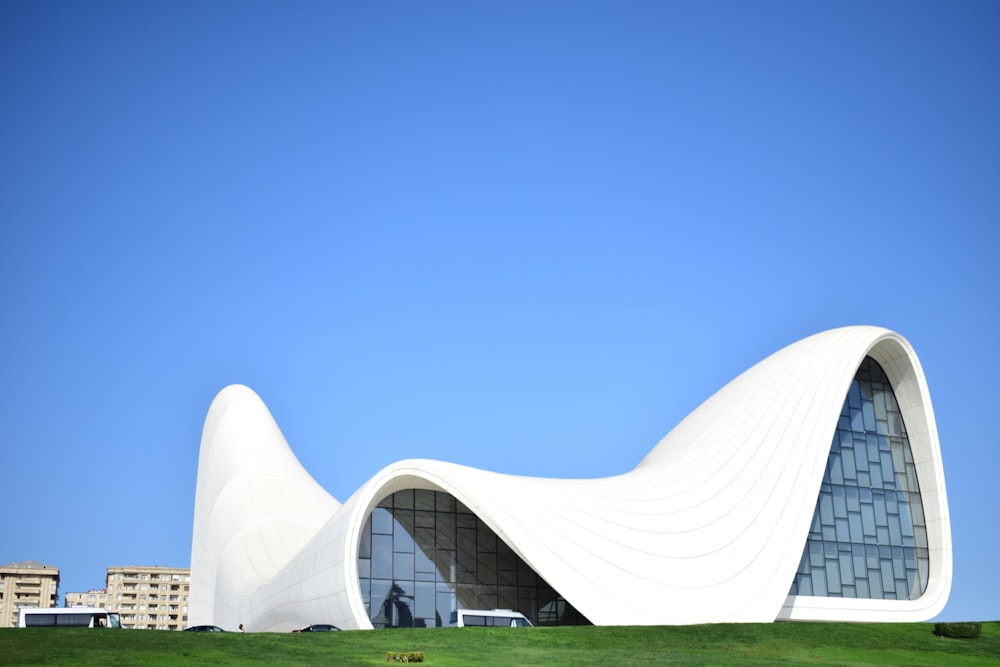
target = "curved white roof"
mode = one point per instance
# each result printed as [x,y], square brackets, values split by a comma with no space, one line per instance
[709,527]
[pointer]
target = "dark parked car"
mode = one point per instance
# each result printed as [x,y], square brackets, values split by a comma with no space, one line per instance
[319,627]
[204,628]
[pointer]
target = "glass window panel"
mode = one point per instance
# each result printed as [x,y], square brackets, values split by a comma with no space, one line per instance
[847,568]
[379,596]
[895,533]
[446,563]
[833,581]
[382,521]
[857,421]
[905,521]
[868,519]
[843,532]
[424,518]
[445,606]
[854,396]
[424,601]
[881,516]
[911,584]
[853,499]
[858,556]
[444,502]
[879,400]
[486,596]
[402,566]
[507,577]
[507,597]
[898,568]
[855,529]
[895,424]
[871,445]
[839,502]
[845,437]
[381,556]
[847,460]
[891,506]
[422,561]
[868,416]
[826,509]
[917,510]
[898,464]
[888,474]
[486,538]
[876,478]
[888,585]
[835,472]
[816,556]
[875,583]
[444,531]
[403,499]
[424,500]
[487,567]
[402,537]
[819,581]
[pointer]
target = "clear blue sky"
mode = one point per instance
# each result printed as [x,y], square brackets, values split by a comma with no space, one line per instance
[524,236]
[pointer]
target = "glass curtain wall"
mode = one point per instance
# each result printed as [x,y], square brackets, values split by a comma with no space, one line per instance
[423,554]
[868,537]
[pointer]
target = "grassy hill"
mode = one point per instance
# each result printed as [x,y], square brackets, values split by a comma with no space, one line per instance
[743,644]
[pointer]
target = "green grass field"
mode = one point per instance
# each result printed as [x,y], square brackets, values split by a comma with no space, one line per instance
[743,644]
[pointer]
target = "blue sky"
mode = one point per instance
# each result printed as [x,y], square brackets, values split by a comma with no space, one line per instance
[524,236]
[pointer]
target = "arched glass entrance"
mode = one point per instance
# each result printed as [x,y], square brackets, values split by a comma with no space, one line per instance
[423,554]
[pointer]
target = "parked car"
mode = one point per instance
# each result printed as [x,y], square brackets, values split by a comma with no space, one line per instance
[319,627]
[204,628]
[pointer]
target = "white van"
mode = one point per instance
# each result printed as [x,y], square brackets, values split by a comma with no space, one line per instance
[504,618]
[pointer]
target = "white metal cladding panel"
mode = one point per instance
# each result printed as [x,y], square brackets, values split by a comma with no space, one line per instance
[708,527]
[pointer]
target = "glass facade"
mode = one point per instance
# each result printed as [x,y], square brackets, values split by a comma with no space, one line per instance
[868,537]
[423,554]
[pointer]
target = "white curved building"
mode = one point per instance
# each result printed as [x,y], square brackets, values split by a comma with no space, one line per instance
[810,487]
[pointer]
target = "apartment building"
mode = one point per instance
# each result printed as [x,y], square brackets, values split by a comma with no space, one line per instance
[149,597]
[26,584]
[95,597]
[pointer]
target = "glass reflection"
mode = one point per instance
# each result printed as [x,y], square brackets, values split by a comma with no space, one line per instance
[868,538]
[423,555]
